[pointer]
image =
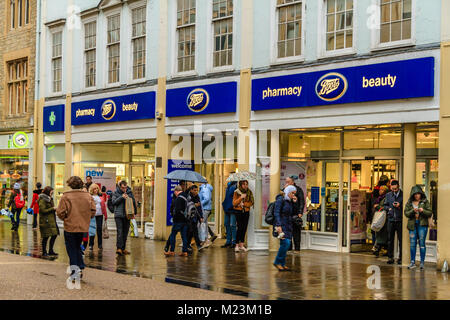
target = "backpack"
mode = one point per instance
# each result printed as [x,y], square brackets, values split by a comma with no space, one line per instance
[190,211]
[19,203]
[227,203]
[110,205]
[270,213]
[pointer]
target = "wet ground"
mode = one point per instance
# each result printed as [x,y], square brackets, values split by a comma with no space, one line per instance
[314,275]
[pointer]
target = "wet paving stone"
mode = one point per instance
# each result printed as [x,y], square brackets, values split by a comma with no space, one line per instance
[315,275]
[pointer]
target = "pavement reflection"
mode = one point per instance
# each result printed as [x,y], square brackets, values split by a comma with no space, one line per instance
[314,275]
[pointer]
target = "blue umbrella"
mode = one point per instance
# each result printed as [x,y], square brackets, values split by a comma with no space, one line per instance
[186,175]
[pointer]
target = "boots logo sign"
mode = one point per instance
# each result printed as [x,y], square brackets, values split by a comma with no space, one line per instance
[108,110]
[197,100]
[331,87]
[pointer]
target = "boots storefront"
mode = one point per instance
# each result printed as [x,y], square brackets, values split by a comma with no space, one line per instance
[113,139]
[342,134]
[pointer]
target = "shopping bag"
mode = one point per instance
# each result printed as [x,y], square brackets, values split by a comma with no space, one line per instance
[6,213]
[105,230]
[202,231]
[378,221]
[129,208]
[134,228]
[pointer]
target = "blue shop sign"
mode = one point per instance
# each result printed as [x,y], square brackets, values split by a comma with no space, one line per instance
[171,184]
[54,118]
[384,81]
[124,108]
[207,99]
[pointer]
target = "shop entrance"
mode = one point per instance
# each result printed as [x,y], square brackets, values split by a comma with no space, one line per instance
[142,185]
[365,177]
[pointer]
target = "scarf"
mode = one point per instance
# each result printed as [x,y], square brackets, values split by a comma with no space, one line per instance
[249,193]
[45,197]
[288,190]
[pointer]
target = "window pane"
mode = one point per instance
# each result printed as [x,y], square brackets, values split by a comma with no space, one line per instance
[396,11]
[349,39]
[330,6]
[330,41]
[385,13]
[330,23]
[340,40]
[396,31]
[385,33]
[406,9]
[406,29]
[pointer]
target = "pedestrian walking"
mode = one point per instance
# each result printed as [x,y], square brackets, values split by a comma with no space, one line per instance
[180,224]
[206,199]
[47,221]
[394,210]
[125,208]
[242,202]
[230,216]
[178,189]
[299,207]
[97,222]
[35,204]
[16,202]
[195,219]
[285,209]
[418,211]
[382,235]
[76,208]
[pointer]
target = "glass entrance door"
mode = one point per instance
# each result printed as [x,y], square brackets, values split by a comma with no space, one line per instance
[366,177]
[137,186]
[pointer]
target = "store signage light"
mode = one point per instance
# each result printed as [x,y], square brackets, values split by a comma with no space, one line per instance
[331,87]
[197,100]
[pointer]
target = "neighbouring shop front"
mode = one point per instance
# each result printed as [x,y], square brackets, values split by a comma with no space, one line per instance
[202,123]
[113,139]
[15,150]
[342,149]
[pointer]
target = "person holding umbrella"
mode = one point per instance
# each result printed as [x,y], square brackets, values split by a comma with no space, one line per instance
[242,202]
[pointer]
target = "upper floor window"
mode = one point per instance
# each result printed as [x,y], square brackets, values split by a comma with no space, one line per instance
[396,16]
[113,46]
[139,19]
[289,28]
[57,61]
[222,19]
[17,86]
[339,34]
[186,14]
[90,45]
[19,13]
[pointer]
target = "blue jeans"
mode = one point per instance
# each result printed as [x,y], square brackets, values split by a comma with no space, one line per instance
[281,256]
[418,235]
[230,227]
[183,229]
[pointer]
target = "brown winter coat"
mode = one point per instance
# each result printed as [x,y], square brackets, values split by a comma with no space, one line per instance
[76,208]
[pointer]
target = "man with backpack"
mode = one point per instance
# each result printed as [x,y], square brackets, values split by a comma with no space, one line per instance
[195,216]
[180,224]
[230,217]
[16,202]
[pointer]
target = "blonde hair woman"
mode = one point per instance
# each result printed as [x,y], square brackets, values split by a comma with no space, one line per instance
[96,224]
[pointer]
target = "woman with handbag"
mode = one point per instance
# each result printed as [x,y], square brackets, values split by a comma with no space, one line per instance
[382,235]
[418,211]
[242,202]
[97,221]
[47,221]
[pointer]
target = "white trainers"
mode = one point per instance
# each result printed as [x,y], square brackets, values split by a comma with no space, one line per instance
[244,249]
[411,266]
[236,249]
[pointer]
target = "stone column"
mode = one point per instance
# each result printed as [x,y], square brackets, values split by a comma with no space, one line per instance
[409,180]
[275,172]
